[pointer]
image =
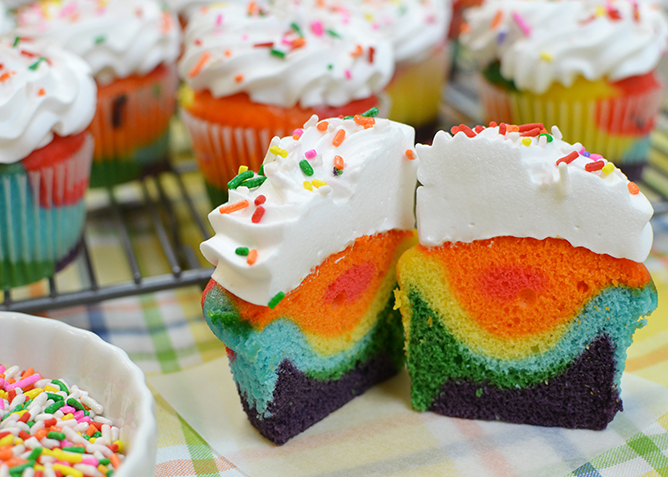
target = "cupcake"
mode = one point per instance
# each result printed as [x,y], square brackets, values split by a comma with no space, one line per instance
[305,267]
[253,73]
[526,288]
[132,46]
[587,66]
[47,102]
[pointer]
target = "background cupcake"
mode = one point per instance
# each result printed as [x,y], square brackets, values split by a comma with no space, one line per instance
[131,46]
[255,73]
[47,100]
[587,66]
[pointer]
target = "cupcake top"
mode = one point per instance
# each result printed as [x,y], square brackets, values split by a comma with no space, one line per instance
[415,27]
[492,182]
[282,56]
[325,186]
[117,38]
[540,42]
[42,92]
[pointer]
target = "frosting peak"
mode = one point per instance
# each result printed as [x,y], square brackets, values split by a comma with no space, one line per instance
[495,182]
[328,184]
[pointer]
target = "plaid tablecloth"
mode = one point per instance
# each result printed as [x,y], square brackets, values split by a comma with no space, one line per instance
[165,332]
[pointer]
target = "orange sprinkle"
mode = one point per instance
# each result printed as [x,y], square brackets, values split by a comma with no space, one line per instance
[239,78]
[115,461]
[41,433]
[339,137]
[298,42]
[513,128]
[28,372]
[41,92]
[322,126]
[6,453]
[200,64]
[4,76]
[15,462]
[465,28]
[358,52]
[296,137]
[91,430]
[252,257]
[363,121]
[228,209]
[228,53]
[497,19]
[633,188]
[410,154]
[338,163]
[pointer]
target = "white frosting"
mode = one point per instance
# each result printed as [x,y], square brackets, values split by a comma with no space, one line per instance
[566,39]
[117,38]
[493,185]
[6,22]
[415,27]
[301,228]
[57,95]
[187,7]
[325,70]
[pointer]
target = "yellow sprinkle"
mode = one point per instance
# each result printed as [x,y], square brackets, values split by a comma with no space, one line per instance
[608,168]
[67,417]
[600,11]
[120,445]
[308,185]
[92,440]
[18,441]
[242,169]
[102,469]
[186,96]
[71,457]
[397,299]
[526,141]
[33,393]
[50,388]
[66,470]
[546,57]
[7,440]
[3,394]
[39,467]
[278,151]
[318,183]
[46,451]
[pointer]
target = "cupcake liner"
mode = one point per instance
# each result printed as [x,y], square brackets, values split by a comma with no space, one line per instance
[42,215]
[131,128]
[617,127]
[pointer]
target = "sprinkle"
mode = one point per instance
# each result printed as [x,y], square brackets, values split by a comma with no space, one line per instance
[526,141]
[594,166]
[318,183]
[199,65]
[357,52]
[278,53]
[586,153]
[261,170]
[276,300]
[16,41]
[260,199]
[317,28]
[306,167]
[257,215]
[556,133]
[502,129]
[267,44]
[364,121]
[608,168]
[633,188]
[239,78]
[251,183]
[492,124]
[41,92]
[35,65]
[410,154]
[297,43]
[333,34]
[549,138]
[372,52]
[100,39]
[466,130]
[310,154]
[348,74]
[371,113]
[501,37]
[339,137]
[531,133]
[277,151]
[242,169]
[496,21]
[478,129]
[524,26]
[252,257]
[569,158]
[236,182]
[595,157]
[338,163]
[546,56]
[296,28]
[308,185]
[322,126]
[230,208]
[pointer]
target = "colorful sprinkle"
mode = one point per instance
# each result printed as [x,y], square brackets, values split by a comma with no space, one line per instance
[277,53]
[371,113]
[317,28]
[524,26]
[260,199]
[608,168]
[276,300]
[243,251]
[410,154]
[257,215]
[239,78]
[252,257]
[546,57]
[338,163]
[569,158]
[277,151]
[526,141]
[594,166]
[339,137]
[255,182]
[199,65]
[322,126]
[242,169]
[310,154]
[236,182]
[306,167]
[35,65]
[317,183]
[633,188]
[308,185]
[228,209]
[549,138]
[496,21]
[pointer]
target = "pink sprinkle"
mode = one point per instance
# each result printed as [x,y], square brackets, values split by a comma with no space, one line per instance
[297,132]
[595,157]
[24,382]
[2,368]
[67,409]
[348,74]
[90,461]
[2,404]
[317,28]
[2,382]
[77,415]
[244,37]
[66,443]
[521,23]
[84,419]
[310,154]
[219,19]
[286,41]
[582,151]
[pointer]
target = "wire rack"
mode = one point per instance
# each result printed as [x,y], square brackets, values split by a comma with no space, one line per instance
[157,205]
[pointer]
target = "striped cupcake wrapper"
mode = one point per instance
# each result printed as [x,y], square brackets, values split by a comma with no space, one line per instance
[40,224]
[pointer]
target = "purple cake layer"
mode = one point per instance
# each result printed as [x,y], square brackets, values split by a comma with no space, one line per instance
[300,401]
[582,397]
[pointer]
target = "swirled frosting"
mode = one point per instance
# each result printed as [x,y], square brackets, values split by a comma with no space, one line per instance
[41,92]
[117,38]
[540,42]
[282,56]
[313,204]
[485,185]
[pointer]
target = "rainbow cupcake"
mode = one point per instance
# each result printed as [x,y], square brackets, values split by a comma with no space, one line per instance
[132,46]
[253,73]
[47,100]
[305,256]
[588,67]
[526,288]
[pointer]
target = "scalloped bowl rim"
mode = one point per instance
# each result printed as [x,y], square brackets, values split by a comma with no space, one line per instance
[144,439]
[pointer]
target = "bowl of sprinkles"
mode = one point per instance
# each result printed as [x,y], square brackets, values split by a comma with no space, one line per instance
[71,404]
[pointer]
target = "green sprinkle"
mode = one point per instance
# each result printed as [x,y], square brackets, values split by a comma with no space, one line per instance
[77,449]
[37,451]
[54,407]
[85,436]
[296,28]
[61,385]
[30,423]
[97,434]
[276,300]
[35,65]
[243,251]
[372,113]
[333,33]
[86,413]
[337,172]
[75,404]
[234,183]
[54,396]
[16,41]
[257,182]
[261,171]
[110,472]
[104,461]
[100,39]
[549,137]
[59,436]
[330,66]
[278,53]
[18,470]
[348,117]
[306,167]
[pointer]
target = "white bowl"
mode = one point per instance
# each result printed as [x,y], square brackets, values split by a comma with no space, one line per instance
[56,350]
